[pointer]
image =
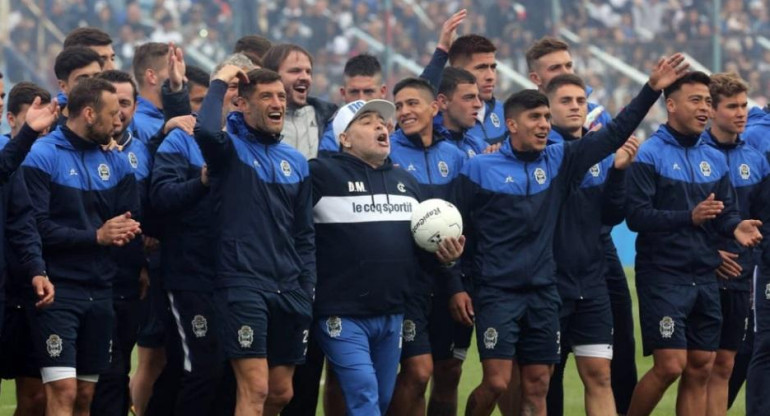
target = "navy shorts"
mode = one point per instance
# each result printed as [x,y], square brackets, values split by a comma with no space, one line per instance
[585,322]
[518,323]
[257,324]
[75,333]
[414,332]
[448,338]
[17,356]
[154,308]
[736,306]
[680,316]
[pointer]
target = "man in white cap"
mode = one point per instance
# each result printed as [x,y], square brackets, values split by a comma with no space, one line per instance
[359,304]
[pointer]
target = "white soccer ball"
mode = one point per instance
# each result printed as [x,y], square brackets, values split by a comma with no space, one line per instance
[433,220]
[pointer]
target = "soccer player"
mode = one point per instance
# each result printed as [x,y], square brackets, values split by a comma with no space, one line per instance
[512,200]
[73,65]
[362,80]
[17,360]
[95,39]
[460,103]
[306,116]
[748,169]
[264,237]
[197,85]
[83,199]
[680,200]
[150,67]
[421,148]
[597,199]
[253,46]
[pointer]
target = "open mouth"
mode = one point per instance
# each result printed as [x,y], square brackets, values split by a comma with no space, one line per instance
[542,136]
[407,121]
[702,119]
[302,89]
[275,116]
[382,138]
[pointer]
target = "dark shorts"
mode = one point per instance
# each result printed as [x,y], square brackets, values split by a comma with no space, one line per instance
[256,324]
[587,322]
[195,320]
[73,333]
[680,317]
[448,338]
[414,332]
[736,306]
[153,308]
[17,355]
[518,323]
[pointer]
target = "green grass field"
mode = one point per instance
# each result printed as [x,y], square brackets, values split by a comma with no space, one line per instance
[573,388]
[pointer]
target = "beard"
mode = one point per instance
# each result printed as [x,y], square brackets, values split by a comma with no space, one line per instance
[96,136]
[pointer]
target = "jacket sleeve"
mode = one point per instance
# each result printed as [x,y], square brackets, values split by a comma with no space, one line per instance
[214,143]
[641,214]
[171,190]
[21,231]
[432,73]
[614,197]
[175,103]
[52,234]
[15,151]
[582,154]
[462,195]
[328,142]
[304,235]
[128,191]
[730,217]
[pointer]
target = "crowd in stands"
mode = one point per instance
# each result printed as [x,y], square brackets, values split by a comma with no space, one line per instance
[636,31]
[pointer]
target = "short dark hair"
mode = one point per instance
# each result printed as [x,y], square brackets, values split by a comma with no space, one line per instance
[253,44]
[119,77]
[562,80]
[257,77]
[364,65]
[87,36]
[452,77]
[522,101]
[695,77]
[150,55]
[275,56]
[416,83]
[197,76]
[542,47]
[465,46]
[88,93]
[24,93]
[726,85]
[73,58]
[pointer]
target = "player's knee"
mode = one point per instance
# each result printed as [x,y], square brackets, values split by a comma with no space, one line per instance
[30,402]
[535,384]
[497,384]
[669,370]
[63,392]
[446,373]
[419,373]
[280,396]
[597,376]
[723,366]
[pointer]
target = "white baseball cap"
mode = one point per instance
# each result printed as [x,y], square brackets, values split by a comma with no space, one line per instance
[350,111]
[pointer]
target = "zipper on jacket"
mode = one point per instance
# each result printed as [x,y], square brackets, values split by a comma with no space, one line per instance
[526,173]
[427,165]
[87,175]
[272,166]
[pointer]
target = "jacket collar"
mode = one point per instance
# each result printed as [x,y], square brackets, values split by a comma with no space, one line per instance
[508,150]
[708,138]
[674,138]
[237,126]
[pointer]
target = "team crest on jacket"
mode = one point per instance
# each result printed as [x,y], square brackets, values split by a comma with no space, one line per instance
[494,119]
[705,168]
[745,171]
[401,187]
[471,153]
[443,169]
[132,160]
[667,327]
[540,176]
[595,170]
[104,172]
[334,326]
[285,168]
[410,330]
[490,338]
[245,336]
[53,345]
[200,326]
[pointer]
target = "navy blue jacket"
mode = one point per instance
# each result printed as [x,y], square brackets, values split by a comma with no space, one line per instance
[594,200]
[512,200]
[131,258]
[264,218]
[147,120]
[757,131]
[23,251]
[748,172]
[75,187]
[366,257]
[186,205]
[670,176]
